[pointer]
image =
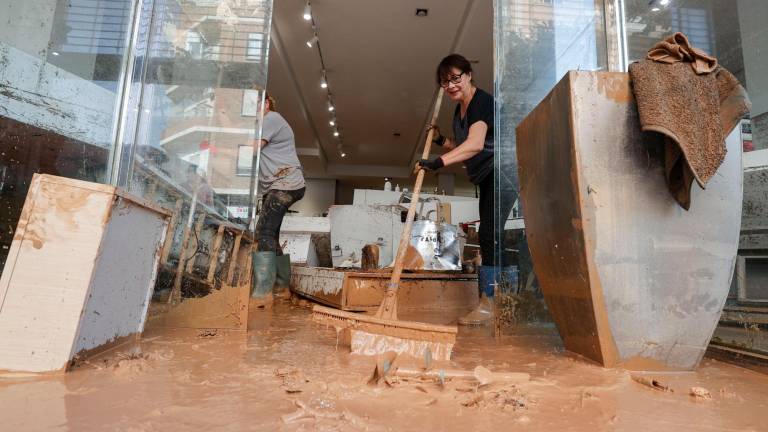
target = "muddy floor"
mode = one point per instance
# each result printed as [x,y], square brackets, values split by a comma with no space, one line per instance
[287,374]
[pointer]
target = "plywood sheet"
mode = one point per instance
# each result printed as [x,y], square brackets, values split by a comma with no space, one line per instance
[47,277]
[61,292]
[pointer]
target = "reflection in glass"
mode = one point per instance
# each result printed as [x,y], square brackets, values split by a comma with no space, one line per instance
[536,42]
[194,101]
[732,31]
[60,69]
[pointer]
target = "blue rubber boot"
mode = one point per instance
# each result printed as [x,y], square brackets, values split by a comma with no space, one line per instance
[489,276]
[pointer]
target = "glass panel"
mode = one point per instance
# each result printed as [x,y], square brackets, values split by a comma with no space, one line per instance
[204,72]
[735,33]
[536,42]
[60,71]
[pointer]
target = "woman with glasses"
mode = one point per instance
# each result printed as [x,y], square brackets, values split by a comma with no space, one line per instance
[471,145]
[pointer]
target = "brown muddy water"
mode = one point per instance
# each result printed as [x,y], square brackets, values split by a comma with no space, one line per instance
[287,374]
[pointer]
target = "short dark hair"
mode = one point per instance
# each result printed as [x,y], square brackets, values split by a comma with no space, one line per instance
[449,62]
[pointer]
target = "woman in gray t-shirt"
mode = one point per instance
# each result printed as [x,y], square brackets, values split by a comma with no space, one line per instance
[281,183]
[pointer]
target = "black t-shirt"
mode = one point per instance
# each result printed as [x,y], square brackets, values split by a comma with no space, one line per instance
[480,109]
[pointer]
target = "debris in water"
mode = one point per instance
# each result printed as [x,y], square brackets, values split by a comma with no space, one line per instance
[479,374]
[384,365]
[726,393]
[483,375]
[473,400]
[306,412]
[505,398]
[700,393]
[652,383]
[293,379]
[205,333]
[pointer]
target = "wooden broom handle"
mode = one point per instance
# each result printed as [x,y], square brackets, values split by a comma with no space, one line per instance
[405,238]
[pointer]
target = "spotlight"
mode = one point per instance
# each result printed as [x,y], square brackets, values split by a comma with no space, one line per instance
[312,41]
[323,83]
[655,9]
[336,133]
[343,154]
[332,123]
[330,107]
[55,53]
[307,13]
[663,2]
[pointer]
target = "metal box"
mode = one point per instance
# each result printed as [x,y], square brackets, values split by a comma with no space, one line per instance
[354,226]
[631,279]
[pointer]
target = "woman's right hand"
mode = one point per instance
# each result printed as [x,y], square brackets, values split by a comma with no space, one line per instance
[437,137]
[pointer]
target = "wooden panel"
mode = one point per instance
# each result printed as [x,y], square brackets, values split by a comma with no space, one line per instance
[450,293]
[40,311]
[124,275]
[224,308]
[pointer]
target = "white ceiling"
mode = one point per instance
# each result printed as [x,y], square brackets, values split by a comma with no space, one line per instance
[380,60]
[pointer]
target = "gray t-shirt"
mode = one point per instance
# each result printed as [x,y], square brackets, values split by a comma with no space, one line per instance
[279,167]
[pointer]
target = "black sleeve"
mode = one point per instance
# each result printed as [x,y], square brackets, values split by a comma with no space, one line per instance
[481,109]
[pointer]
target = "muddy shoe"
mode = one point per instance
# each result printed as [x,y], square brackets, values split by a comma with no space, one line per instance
[282,272]
[482,315]
[263,280]
[263,302]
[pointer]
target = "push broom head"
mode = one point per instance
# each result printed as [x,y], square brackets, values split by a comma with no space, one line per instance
[374,336]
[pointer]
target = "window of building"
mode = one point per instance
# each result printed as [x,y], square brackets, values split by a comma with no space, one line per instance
[244,160]
[254,50]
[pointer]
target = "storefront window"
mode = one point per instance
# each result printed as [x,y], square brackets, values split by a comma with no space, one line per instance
[536,43]
[195,116]
[61,64]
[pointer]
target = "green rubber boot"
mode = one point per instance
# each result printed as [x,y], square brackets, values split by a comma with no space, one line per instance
[264,274]
[283,264]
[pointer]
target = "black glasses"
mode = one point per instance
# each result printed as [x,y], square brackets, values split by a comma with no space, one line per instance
[452,79]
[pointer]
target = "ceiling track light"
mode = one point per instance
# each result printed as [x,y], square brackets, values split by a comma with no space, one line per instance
[336,133]
[332,122]
[307,12]
[330,107]
[311,42]
[343,154]
[323,83]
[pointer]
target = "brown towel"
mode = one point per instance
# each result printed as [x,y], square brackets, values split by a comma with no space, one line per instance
[676,48]
[683,94]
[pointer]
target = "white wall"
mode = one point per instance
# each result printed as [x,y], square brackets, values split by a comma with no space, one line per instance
[320,194]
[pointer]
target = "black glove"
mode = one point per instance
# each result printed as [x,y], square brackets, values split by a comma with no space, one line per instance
[437,138]
[430,165]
